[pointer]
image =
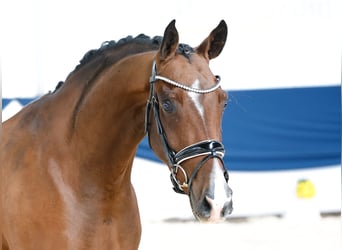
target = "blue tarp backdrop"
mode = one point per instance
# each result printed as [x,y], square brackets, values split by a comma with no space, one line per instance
[283,129]
[276,129]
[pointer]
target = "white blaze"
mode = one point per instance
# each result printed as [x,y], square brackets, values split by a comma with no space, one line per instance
[220,197]
[196,98]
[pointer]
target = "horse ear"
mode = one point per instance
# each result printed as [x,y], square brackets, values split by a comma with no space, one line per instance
[212,46]
[170,42]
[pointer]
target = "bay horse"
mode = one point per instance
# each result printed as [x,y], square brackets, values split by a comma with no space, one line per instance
[66,158]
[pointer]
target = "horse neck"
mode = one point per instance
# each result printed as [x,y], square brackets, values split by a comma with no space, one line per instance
[108,124]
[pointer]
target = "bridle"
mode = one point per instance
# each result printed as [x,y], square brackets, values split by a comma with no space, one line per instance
[208,148]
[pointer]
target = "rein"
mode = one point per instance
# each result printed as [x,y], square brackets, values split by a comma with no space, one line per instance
[208,148]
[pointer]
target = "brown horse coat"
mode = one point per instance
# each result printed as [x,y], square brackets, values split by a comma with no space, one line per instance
[66,158]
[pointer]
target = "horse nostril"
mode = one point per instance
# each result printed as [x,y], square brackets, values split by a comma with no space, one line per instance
[227,209]
[216,209]
[212,203]
[205,207]
[219,209]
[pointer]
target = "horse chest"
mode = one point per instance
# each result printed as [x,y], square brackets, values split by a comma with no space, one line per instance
[90,224]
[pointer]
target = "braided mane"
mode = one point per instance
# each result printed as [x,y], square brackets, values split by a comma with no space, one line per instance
[109,45]
[143,43]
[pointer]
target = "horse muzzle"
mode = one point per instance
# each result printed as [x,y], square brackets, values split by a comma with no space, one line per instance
[213,209]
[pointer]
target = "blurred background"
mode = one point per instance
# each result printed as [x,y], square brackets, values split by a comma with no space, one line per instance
[281,66]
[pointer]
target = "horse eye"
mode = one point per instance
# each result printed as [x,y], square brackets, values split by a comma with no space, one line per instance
[225,104]
[167,106]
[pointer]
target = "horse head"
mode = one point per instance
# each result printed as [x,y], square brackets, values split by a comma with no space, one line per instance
[187,105]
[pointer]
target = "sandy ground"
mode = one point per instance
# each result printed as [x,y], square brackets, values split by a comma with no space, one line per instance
[168,223]
[254,233]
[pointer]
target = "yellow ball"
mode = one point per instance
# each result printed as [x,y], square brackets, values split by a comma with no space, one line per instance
[305,189]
